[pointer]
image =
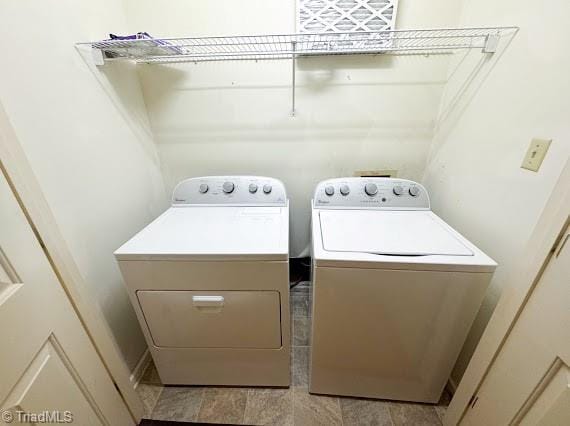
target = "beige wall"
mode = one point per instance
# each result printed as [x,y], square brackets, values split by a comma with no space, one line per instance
[86,136]
[353,114]
[491,110]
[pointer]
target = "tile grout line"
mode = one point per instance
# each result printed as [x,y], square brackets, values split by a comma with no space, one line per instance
[293,404]
[390,415]
[200,406]
[246,404]
[156,402]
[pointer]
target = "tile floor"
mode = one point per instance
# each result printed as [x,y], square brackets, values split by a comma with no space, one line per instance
[271,406]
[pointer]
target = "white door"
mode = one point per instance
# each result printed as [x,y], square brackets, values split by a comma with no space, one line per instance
[49,369]
[529,382]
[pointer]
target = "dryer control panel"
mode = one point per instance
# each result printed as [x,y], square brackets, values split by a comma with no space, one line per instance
[230,190]
[372,193]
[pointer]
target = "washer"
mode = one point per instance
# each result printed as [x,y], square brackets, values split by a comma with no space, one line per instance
[209,281]
[395,291]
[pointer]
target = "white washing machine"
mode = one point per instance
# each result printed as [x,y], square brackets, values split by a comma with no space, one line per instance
[395,291]
[209,281]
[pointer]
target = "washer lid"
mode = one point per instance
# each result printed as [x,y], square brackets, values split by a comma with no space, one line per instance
[400,233]
[212,233]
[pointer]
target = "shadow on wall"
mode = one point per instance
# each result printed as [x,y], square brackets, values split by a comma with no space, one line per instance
[470,72]
[321,71]
[353,113]
[471,122]
[337,98]
[319,75]
[119,79]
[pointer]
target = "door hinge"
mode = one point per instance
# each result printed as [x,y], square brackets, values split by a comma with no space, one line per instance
[473,401]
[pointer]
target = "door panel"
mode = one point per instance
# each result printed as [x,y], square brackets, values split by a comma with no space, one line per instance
[33,393]
[7,273]
[47,361]
[528,381]
[550,403]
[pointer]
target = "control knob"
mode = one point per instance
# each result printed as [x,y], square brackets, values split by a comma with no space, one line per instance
[203,188]
[371,189]
[398,190]
[252,188]
[344,189]
[228,187]
[329,190]
[414,191]
[267,188]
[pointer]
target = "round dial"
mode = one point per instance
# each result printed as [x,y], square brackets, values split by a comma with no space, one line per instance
[203,188]
[344,189]
[253,188]
[414,191]
[398,190]
[371,189]
[228,187]
[329,190]
[267,188]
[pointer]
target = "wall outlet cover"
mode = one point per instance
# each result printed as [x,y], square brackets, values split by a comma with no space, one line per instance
[535,154]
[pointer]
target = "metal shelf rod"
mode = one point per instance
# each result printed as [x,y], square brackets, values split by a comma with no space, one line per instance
[466,29]
[293,72]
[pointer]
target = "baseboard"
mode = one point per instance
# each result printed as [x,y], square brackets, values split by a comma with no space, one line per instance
[140,368]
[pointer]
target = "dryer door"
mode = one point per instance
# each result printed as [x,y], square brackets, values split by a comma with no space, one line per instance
[212,319]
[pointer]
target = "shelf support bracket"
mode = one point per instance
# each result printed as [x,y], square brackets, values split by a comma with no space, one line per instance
[98,56]
[293,70]
[491,43]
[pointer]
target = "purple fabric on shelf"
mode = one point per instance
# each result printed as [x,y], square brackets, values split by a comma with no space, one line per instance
[147,37]
[136,36]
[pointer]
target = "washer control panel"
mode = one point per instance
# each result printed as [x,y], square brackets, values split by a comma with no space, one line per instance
[231,190]
[373,193]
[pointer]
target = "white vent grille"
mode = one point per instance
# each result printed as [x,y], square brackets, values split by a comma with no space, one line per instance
[334,16]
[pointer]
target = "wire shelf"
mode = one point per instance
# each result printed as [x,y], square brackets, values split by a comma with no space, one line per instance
[287,46]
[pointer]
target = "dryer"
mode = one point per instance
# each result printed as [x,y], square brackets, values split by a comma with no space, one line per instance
[209,282]
[395,291]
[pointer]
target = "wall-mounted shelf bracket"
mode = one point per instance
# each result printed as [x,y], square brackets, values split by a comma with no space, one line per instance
[98,56]
[491,43]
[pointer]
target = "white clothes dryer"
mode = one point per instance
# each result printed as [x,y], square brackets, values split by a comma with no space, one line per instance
[209,281]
